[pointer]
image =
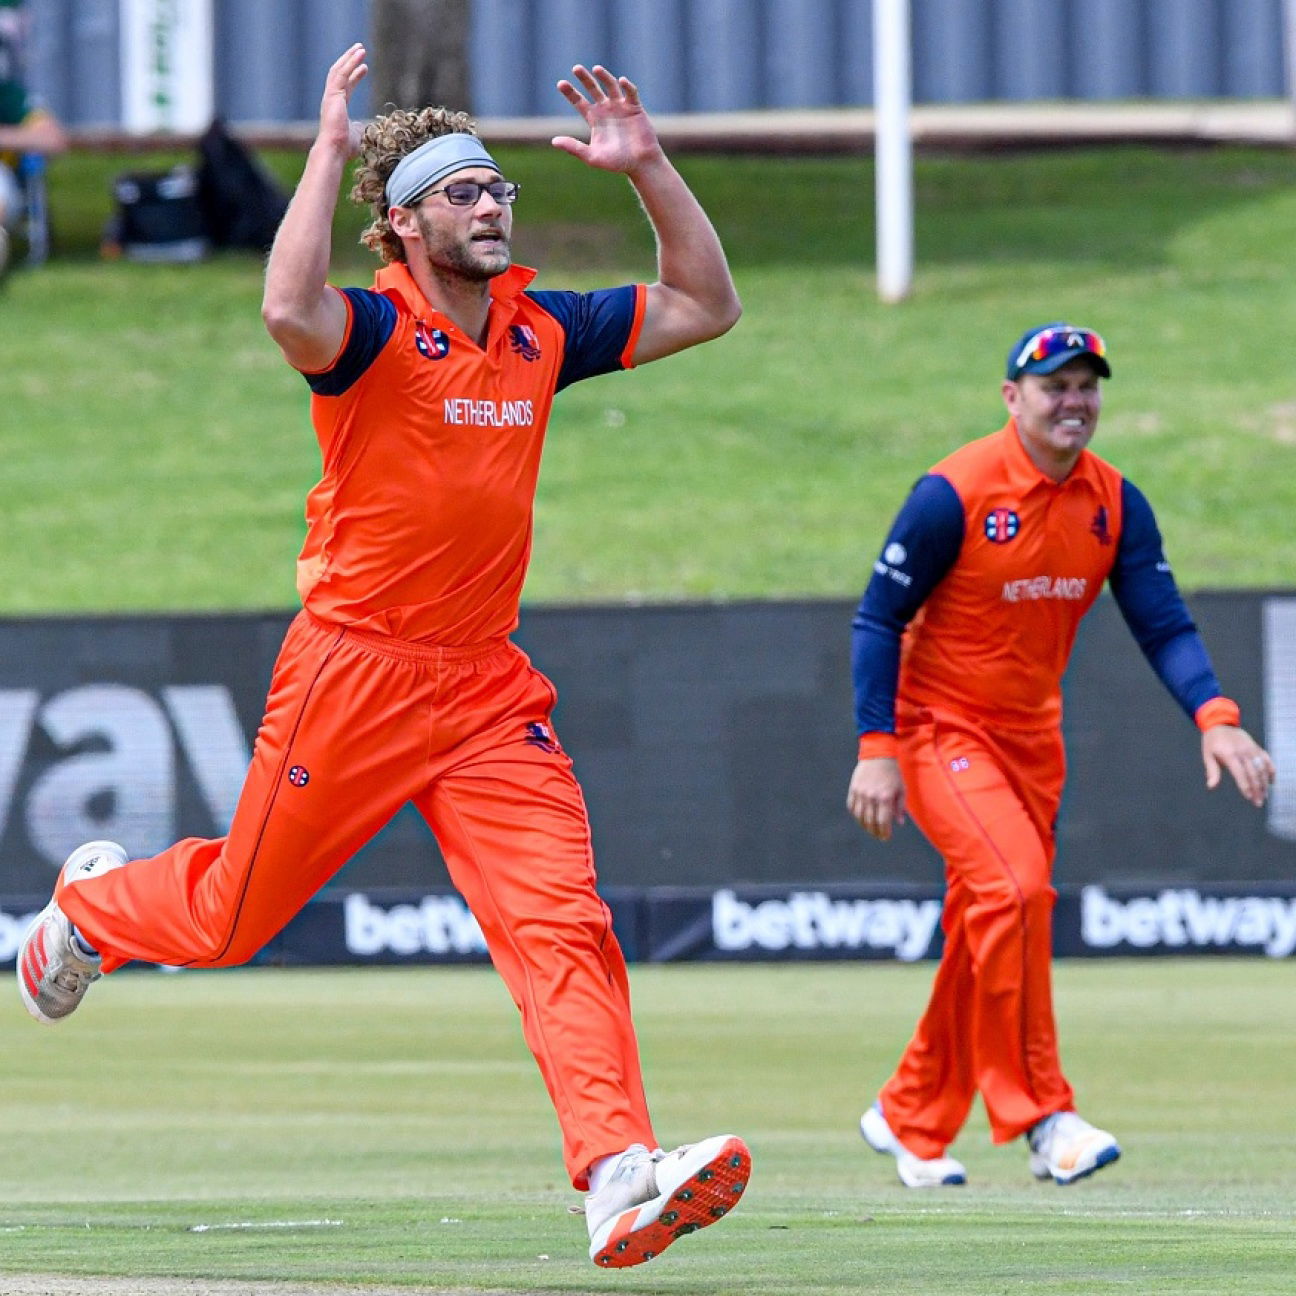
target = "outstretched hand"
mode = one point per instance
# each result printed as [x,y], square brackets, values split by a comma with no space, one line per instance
[1228,747]
[336,128]
[622,137]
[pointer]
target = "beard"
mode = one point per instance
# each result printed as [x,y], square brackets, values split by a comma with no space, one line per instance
[475,261]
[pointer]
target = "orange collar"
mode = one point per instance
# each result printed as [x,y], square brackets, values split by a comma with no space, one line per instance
[395,279]
[1023,473]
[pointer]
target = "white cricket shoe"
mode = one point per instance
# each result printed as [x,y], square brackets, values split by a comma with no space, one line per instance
[53,973]
[914,1171]
[653,1198]
[1064,1148]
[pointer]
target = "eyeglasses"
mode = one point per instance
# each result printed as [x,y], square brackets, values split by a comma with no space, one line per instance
[1054,341]
[467,193]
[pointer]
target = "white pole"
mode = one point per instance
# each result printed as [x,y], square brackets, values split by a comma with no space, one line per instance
[1289,33]
[893,149]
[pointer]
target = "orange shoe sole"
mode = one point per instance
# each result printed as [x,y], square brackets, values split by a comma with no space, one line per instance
[708,1195]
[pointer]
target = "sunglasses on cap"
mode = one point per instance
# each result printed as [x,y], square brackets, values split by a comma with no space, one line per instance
[1058,340]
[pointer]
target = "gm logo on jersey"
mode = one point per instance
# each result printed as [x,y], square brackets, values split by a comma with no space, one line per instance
[1001,525]
[432,343]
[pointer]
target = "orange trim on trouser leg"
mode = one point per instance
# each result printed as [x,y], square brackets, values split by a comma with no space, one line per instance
[512,824]
[987,804]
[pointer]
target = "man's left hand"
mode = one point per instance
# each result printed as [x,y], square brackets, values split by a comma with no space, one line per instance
[622,137]
[1228,747]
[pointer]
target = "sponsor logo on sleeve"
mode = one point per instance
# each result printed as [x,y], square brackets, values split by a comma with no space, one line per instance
[894,557]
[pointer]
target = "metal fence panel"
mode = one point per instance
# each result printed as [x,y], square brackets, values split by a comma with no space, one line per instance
[1252,48]
[1032,39]
[801,48]
[651,49]
[952,51]
[500,80]
[708,55]
[724,53]
[1111,34]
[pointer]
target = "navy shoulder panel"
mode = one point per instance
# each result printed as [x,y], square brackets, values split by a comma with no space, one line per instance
[373,319]
[596,325]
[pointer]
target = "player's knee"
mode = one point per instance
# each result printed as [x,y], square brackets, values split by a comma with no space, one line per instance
[1025,892]
[226,949]
[572,936]
[1035,890]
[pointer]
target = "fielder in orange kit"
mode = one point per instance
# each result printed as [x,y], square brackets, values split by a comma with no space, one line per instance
[958,651]
[398,681]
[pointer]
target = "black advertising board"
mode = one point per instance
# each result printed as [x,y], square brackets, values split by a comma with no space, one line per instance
[714,744]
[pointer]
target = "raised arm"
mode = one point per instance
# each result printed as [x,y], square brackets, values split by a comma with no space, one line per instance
[694,298]
[303,315]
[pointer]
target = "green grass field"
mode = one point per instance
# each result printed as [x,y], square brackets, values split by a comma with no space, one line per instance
[158,451]
[386,1129]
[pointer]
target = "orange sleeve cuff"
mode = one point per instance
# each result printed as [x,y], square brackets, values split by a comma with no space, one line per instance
[636,326]
[1218,711]
[873,745]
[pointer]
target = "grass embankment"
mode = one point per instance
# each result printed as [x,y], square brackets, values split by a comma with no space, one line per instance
[158,450]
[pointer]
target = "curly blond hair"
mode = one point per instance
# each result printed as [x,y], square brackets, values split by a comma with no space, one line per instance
[385,141]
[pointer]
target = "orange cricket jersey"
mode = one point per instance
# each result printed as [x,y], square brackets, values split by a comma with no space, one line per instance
[994,637]
[979,590]
[420,527]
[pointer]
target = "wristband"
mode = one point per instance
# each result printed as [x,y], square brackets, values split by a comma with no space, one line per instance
[877,744]
[1218,711]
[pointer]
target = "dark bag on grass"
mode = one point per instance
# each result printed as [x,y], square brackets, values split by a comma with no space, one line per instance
[157,217]
[241,204]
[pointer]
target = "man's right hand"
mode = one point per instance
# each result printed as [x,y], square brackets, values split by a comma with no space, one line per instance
[876,796]
[305,317]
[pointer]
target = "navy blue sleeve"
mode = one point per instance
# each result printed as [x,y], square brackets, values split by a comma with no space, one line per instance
[373,317]
[597,327]
[1153,608]
[921,547]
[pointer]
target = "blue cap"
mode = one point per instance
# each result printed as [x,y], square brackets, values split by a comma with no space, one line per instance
[1046,347]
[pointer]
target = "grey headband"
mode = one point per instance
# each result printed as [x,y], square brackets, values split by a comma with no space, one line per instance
[418,171]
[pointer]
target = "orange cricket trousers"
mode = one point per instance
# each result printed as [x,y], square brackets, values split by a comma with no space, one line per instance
[987,801]
[357,724]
